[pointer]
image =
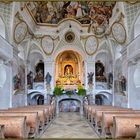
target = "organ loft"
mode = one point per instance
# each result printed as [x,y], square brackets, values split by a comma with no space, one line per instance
[70,69]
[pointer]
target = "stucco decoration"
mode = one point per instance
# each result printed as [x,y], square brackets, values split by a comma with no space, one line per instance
[47,44]
[69,37]
[91,45]
[118,32]
[20,32]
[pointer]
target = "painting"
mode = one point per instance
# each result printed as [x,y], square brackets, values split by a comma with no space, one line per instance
[19,79]
[69,106]
[52,12]
[39,76]
[100,70]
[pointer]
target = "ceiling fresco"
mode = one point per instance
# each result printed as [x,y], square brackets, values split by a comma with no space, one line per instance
[86,12]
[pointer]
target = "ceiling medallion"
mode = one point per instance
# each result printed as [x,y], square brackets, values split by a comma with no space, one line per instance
[118,32]
[91,45]
[69,37]
[47,44]
[20,32]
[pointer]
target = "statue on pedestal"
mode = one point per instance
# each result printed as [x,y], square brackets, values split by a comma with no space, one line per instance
[48,81]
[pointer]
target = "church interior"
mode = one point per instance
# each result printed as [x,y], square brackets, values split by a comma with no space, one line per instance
[85,83]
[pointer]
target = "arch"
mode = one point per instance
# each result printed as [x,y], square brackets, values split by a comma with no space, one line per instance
[39,50]
[33,98]
[106,97]
[73,97]
[131,33]
[69,48]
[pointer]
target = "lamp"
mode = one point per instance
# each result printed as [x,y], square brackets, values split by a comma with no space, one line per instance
[2,74]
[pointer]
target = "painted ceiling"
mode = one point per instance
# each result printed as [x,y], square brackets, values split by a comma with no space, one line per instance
[86,12]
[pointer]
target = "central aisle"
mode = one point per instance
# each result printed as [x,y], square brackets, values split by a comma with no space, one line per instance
[69,125]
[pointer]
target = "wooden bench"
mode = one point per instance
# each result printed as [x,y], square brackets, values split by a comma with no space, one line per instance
[137,131]
[93,111]
[124,126]
[15,126]
[39,111]
[31,119]
[98,114]
[2,129]
[107,120]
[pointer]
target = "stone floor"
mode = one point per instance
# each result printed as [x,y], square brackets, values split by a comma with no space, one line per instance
[69,125]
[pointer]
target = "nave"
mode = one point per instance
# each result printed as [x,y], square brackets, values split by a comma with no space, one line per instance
[69,125]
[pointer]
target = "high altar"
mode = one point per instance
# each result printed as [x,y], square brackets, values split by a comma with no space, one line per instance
[68,70]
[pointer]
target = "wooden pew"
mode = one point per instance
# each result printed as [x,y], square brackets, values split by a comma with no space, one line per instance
[91,110]
[2,129]
[49,110]
[124,126]
[98,114]
[137,131]
[107,120]
[31,119]
[15,126]
[39,111]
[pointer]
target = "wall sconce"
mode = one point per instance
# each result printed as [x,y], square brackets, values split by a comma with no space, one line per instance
[2,74]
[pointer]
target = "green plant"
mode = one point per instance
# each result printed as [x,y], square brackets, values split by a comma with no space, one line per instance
[69,93]
[58,91]
[81,92]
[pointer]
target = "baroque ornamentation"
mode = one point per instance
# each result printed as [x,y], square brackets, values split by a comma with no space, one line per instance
[20,32]
[118,32]
[91,45]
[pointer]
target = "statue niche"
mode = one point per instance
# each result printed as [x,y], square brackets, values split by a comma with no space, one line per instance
[68,70]
[100,70]
[39,77]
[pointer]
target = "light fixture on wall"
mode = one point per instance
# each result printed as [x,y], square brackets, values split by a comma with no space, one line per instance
[2,74]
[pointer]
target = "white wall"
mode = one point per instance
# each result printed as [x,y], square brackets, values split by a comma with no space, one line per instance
[5,91]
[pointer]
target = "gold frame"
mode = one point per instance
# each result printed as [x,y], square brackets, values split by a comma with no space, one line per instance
[114,35]
[15,30]
[96,45]
[43,47]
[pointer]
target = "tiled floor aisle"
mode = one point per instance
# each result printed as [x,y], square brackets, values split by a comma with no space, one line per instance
[69,125]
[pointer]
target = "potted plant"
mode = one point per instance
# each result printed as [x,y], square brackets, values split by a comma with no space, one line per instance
[81,90]
[58,91]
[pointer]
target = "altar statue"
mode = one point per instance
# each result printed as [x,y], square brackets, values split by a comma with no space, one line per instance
[68,70]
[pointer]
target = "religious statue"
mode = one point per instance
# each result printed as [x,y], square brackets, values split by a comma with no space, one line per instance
[17,82]
[90,78]
[110,80]
[48,78]
[123,83]
[30,79]
[68,70]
